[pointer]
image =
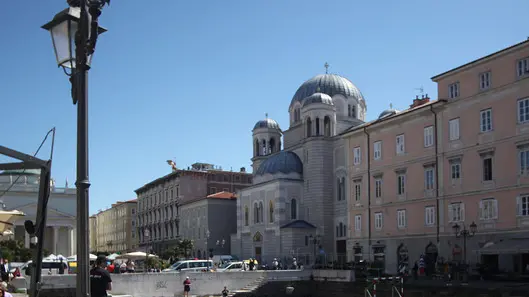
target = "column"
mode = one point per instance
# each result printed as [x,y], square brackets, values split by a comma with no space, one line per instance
[71,240]
[26,240]
[55,239]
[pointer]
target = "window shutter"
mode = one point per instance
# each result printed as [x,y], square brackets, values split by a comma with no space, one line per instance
[425,137]
[518,206]
[462,211]
[426,216]
[450,213]
[495,209]
[481,209]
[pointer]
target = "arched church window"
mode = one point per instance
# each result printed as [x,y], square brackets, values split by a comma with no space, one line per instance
[299,115]
[327,126]
[263,148]
[309,127]
[342,190]
[256,148]
[271,212]
[338,189]
[344,230]
[255,213]
[317,126]
[246,216]
[293,209]
[261,212]
[271,145]
[349,110]
[353,111]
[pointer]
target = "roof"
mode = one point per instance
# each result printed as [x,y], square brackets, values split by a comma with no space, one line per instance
[283,162]
[266,123]
[330,84]
[21,172]
[299,224]
[399,114]
[438,76]
[222,195]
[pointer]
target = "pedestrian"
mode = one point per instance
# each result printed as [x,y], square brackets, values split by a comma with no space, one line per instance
[187,287]
[4,270]
[3,290]
[225,292]
[100,281]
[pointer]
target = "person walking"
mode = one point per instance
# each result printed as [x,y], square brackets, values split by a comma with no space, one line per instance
[100,280]
[3,290]
[187,287]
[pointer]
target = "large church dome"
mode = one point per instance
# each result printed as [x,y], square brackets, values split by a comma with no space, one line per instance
[330,84]
[283,162]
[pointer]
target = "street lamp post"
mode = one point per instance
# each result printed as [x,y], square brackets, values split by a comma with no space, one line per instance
[465,233]
[316,240]
[146,235]
[220,243]
[74,33]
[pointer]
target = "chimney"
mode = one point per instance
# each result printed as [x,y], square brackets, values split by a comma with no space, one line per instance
[243,169]
[420,101]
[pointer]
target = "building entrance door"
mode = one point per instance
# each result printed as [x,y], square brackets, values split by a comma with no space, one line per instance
[258,252]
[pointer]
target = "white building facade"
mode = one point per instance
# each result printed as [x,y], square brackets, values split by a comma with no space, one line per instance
[298,193]
[22,195]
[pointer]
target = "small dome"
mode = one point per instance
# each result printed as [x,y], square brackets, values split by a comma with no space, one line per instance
[267,123]
[387,113]
[318,98]
[21,172]
[330,84]
[283,162]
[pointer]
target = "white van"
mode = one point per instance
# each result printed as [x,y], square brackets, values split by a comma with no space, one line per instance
[190,265]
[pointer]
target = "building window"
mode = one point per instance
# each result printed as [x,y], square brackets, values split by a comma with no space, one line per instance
[401,184]
[487,168]
[341,230]
[456,212]
[522,204]
[524,161]
[357,156]
[133,211]
[486,120]
[523,110]
[455,170]
[400,144]
[378,220]
[378,188]
[429,178]
[358,222]
[488,209]
[212,190]
[377,150]
[261,212]
[401,218]
[271,212]
[293,209]
[255,213]
[523,67]
[453,90]
[340,187]
[306,240]
[484,80]
[429,215]
[357,190]
[428,136]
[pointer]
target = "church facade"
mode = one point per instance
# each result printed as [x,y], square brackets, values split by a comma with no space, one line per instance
[297,205]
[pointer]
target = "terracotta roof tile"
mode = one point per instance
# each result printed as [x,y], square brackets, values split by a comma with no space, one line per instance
[222,195]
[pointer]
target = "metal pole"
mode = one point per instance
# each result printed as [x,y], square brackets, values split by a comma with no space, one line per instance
[82,184]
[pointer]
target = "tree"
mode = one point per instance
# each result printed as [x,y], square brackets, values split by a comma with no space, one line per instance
[15,251]
[185,246]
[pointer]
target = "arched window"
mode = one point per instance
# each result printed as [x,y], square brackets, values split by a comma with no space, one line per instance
[271,212]
[299,115]
[263,148]
[293,209]
[344,230]
[317,126]
[256,148]
[349,110]
[261,212]
[255,213]
[309,127]
[343,188]
[353,111]
[246,216]
[327,126]
[338,189]
[271,145]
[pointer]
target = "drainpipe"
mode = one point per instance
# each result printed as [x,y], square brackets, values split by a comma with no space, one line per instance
[436,174]
[368,190]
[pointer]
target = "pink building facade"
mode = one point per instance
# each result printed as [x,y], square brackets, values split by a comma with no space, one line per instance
[461,159]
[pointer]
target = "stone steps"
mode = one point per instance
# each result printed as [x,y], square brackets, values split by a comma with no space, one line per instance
[249,288]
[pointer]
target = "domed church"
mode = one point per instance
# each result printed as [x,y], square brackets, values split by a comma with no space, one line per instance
[296,206]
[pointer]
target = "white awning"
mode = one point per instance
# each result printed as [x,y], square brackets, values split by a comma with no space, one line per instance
[506,247]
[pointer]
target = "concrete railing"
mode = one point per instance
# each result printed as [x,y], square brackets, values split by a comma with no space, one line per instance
[171,284]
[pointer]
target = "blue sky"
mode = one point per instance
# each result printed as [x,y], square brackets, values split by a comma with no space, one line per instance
[187,80]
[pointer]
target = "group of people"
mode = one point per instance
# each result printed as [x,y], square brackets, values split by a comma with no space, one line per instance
[187,288]
[123,267]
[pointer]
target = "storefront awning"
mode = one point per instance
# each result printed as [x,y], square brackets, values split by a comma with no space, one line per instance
[506,247]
